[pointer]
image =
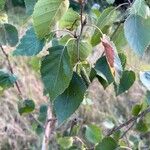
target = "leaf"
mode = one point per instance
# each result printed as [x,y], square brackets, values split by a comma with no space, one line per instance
[107,17]
[147,99]
[70,20]
[126,81]
[29,4]
[141,126]
[136,109]
[123,59]
[108,143]
[68,102]
[26,106]
[65,142]
[119,38]
[2,4]
[9,35]
[103,72]
[56,71]
[93,134]
[6,79]
[110,1]
[140,8]
[85,50]
[46,14]
[137,33]
[29,44]
[112,58]
[145,78]
[42,113]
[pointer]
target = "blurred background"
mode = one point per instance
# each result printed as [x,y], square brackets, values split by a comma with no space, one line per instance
[100,107]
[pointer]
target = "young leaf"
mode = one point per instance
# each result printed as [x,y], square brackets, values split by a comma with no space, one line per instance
[108,143]
[140,8]
[70,20]
[68,102]
[46,14]
[56,71]
[8,35]
[136,109]
[137,33]
[26,106]
[29,44]
[42,113]
[30,6]
[126,81]
[107,17]
[65,142]
[85,49]
[112,58]
[93,134]
[145,79]
[142,126]
[6,79]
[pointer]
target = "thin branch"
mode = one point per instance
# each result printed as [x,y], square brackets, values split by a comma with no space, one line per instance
[49,128]
[67,31]
[128,129]
[133,119]
[82,4]
[11,68]
[117,28]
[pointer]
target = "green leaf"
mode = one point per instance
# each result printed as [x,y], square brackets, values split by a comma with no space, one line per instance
[56,71]
[85,50]
[119,38]
[9,35]
[26,106]
[126,81]
[110,1]
[103,72]
[147,98]
[107,17]
[145,78]
[2,4]
[137,33]
[68,102]
[107,143]
[141,126]
[46,14]
[140,8]
[93,134]
[136,109]
[43,113]
[123,59]
[29,44]
[6,79]
[30,6]
[65,142]
[70,20]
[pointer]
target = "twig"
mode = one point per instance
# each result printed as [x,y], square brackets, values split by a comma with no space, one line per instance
[49,128]
[11,69]
[117,28]
[128,129]
[82,3]
[133,119]
[67,31]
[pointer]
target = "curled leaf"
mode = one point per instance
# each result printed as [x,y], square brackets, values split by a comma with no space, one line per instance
[112,57]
